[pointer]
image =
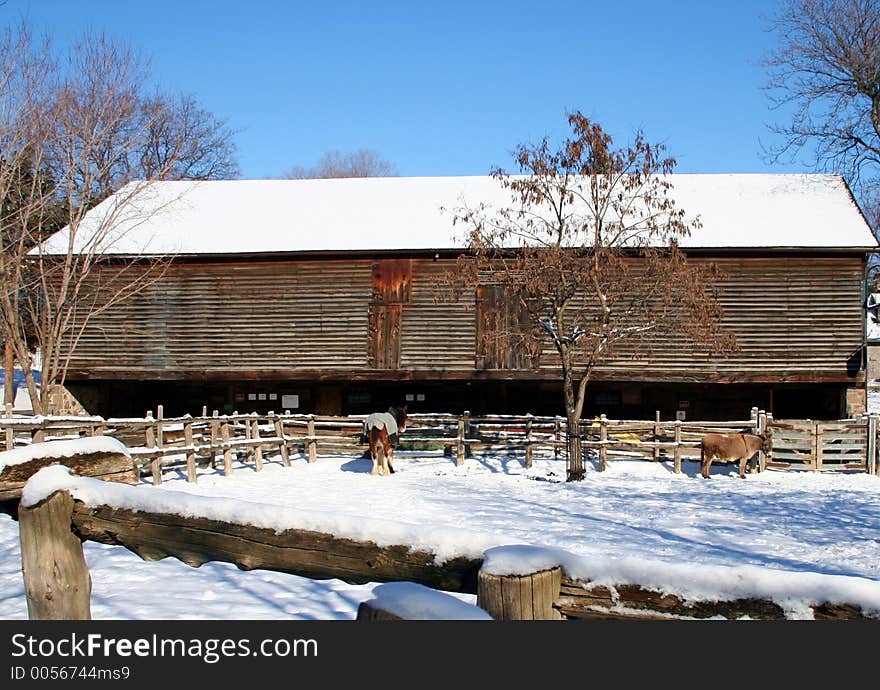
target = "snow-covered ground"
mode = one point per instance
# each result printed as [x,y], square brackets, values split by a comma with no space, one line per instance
[809,525]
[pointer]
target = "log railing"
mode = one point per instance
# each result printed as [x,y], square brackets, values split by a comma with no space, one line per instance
[183,443]
[58,584]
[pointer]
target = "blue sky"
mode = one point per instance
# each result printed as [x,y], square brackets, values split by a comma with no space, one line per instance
[450,88]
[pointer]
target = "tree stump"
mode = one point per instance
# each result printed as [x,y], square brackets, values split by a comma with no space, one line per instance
[56,578]
[520,597]
[366,612]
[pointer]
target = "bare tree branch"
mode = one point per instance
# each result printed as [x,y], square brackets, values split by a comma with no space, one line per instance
[360,163]
[588,250]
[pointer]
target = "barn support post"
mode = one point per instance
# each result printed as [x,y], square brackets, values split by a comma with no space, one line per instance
[677,452]
[190,452]
[520,597]
[311,443]
[56,578]
[528,441]
[603,438]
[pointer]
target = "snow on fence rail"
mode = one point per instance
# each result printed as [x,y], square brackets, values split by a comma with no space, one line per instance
[58,511]
[158,443]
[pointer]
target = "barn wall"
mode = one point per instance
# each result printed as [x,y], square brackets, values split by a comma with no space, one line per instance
[797,318]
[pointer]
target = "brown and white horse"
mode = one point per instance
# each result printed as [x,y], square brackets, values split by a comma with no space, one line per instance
[381,430]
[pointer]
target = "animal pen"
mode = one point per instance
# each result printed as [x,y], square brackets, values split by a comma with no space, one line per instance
[53,528]
[158,444]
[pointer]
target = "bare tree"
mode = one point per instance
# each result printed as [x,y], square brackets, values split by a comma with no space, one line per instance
[826,69]
[78,132]
[825,75]
[586,257]
[360,163]
[185,142]
[25,69]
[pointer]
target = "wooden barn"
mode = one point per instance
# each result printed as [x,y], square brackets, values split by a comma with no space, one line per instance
[322,296]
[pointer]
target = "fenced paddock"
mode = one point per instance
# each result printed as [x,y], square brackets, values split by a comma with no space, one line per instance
[185,444]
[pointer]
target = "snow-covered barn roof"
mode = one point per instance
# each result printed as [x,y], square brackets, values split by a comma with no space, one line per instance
[406,213]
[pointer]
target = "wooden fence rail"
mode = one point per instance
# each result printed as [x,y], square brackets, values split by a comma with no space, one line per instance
[58,584]
[160,443]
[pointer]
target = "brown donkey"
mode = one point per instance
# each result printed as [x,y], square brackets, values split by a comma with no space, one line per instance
[729,448]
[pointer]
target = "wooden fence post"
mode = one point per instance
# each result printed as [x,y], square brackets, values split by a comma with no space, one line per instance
[311,443]
[656,435]
[529,441]
[10,436]
[190,452]
[248,449]
[155,463]
[768,424]
[557,436]
[258,450]
[520,597]
[215,431]
[603,437]
[871,459]
[56,578]
[677,452]
[160,430]
[459,444]
[227,450]
[761,429]
[279,432]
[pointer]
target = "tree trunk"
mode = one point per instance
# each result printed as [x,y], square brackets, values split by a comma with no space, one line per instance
[575,461]
[9,373]
[36,402]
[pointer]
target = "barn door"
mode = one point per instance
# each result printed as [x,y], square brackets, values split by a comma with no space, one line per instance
[392,289]
[501,323]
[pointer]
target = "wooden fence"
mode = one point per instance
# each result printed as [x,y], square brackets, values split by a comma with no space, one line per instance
[58,584]
[183,443]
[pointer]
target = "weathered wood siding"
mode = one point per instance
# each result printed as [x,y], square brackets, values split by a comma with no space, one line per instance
[797,318]
[251,318]
[438,329]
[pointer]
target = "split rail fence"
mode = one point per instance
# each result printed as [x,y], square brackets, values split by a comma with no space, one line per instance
[160,444]
[58,583]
